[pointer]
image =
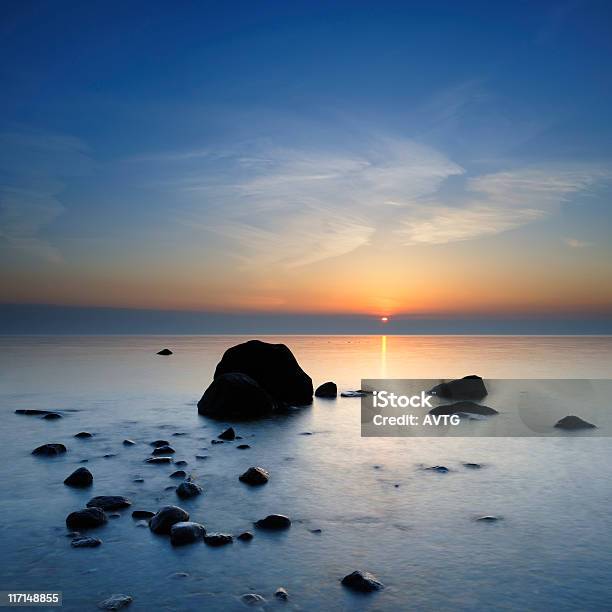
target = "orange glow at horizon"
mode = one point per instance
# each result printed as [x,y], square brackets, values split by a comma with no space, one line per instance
[384,319]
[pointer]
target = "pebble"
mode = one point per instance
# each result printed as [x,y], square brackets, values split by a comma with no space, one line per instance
[245,536]
[274,521]
[115,602]
[83,434]
[85,542]
[188,489]
[218,539]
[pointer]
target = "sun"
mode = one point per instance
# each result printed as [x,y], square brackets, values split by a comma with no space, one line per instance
[384,319]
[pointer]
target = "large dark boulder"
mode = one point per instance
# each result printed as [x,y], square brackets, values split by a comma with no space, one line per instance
[166,517]
[86,518]
[467,388]
[273,367]
[463,407]
[573,423]
[109,502]
[49,450]
[328,390]
[235,396]
[80,478]
[362,581]
[186,532]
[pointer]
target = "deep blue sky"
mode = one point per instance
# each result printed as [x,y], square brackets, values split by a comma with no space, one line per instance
[308,157]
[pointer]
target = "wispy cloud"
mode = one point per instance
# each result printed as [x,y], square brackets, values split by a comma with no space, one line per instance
[574,243]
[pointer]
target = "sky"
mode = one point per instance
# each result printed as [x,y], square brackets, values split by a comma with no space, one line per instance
[331,159]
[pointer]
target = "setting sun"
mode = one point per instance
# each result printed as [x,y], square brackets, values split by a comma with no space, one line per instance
[384,319]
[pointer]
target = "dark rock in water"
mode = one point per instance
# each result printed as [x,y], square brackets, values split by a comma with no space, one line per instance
[316,531]
[163,450]
[83,434]
[235,396]
[86,518]
[109,502]
[179,433]
[228,434]
[142,514]
[49,450]
[467,388]
[246,536]
[253,599]
[281,593]
[34,412]
[255,476]
[216,441]
[488,518]
[165,351]
[85,542]
[115,602]
[573,423]
[128,442]
[84,461]
[158,443]
[178,474]
[186,532]
[138,480]
[465,407]
[159,460]
[180,463]
[353,394]
[472,466]
[109,455]
[305,433]
[167,516]
[52,416]
[81,477]
[188,489]
[441,469]
[218,539]
[243,446]
[201,457]
[362,581]
[274,521]
[273,367]
[328,389]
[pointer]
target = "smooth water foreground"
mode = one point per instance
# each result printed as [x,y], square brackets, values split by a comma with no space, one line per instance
[552,550]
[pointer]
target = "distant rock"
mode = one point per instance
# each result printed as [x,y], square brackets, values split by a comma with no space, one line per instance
[488,518]
[33,412]
[163,450]
[465,407]
[167,516]
[186,532]
[245,536]
[218,539]
[109,455]
[51,416]
[80,478]
[253,599]
[142,514]
[180,463]
[281,593]
[49,450]
[243,446]
[165,351]
[217,442]
[472,466]
[362,581]
[328,389]
[201,457]
[109,502]
[85,542]
[358,393]
[255,476]
[86,518]
[188,489]
[235,396]
[159,460]
[158,443]
[115,602]
[228,434]
[573,423]
[83,434]
[274,522]
[178,474]
[128,442]
[441,469]
[467,388]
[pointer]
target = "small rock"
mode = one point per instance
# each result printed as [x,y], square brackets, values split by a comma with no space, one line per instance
[218,539]
[178,474]
[109,502]
[274,521]
[245,536]
[158,443]
[243,446]
[306,433]
[255,476]
[49,450]
[138,480]
[488,518]
[128,442]
[165,351]
[216,441]
[51,416]
[159,460]
[179,433]
[201,457]
[109,455]
[181,462]
[85,542]
[163,450]
[252,599]
[328,389]
[573,423]
[115,602]
[186,532]
[167,516]
[362,581]
[80,478]
[86,518]
[353,394]
[472,466]
[188,489]
[281,593]
[33,412]
[441,469]
[142,514]
[316,531]
[83,434]
[228,434]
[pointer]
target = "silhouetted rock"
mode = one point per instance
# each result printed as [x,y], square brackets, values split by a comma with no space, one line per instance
[228,434]
[362,581]
[243,446]
[235,396]
[245,536]
[142,514]
[158,443]
[274,521]
[467,388]
[83,434]
[86,518]
[51,416]
[328,389]
[255,476]
[188,489]
[159,460]
[85,542]
[163,450]
[80,478]
[165,351]
[573,423]
[181,462]
[186,532]
[465,407]
[115,602]
[178,474]
[49,450]
[218,539]
[166,517]
[281,593]
[33,412]
[109,502]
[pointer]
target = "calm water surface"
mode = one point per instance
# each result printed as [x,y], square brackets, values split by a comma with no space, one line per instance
[551,551]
